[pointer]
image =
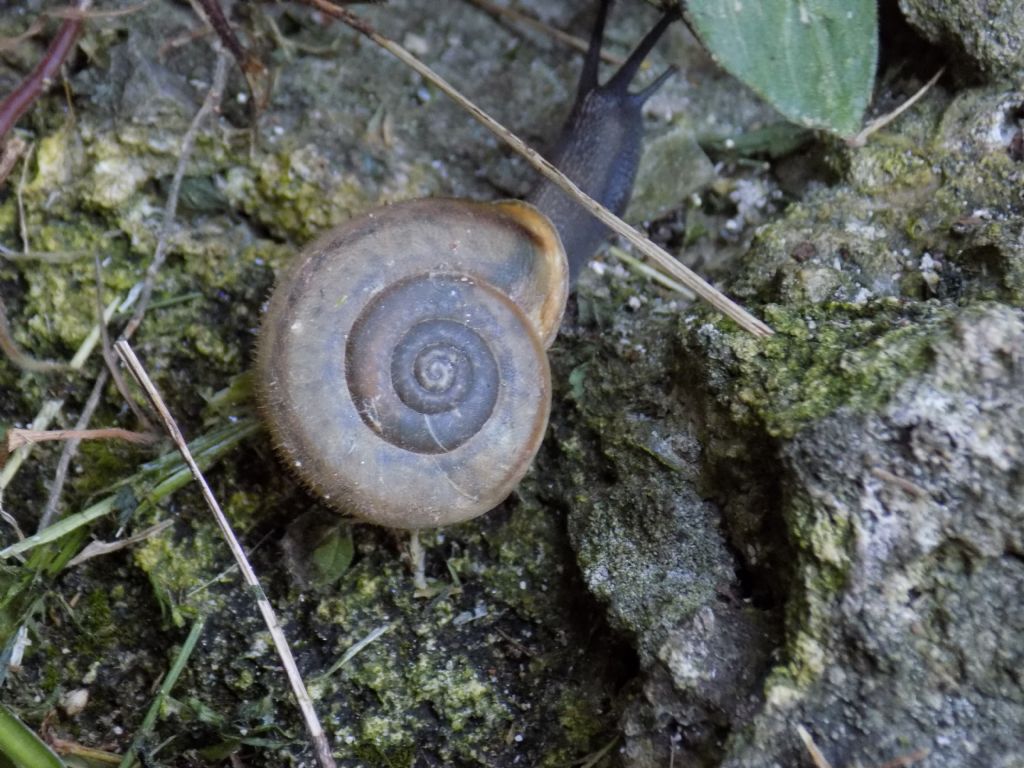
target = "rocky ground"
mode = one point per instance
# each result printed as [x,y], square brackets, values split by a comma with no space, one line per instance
[728,547]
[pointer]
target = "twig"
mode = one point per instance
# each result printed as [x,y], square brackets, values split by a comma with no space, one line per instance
[145,289]
[51,408]
[17,355]
[320,744]
[71,12]
[658,255]
[511,14]
[819,760]
[70,450]
[256,75]
[653,274]
[165,689]
[19,195]
[210,104]
[10,43]
[169,477]
[50,257]
[108,351]
[880,122]
[21,98]
[15,438]
[354,650]
[99,548]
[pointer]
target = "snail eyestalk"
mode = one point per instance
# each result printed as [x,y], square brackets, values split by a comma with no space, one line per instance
[661,258]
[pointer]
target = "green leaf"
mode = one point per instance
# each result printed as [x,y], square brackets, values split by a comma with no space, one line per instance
[20,745]
[333,556]
[813,60]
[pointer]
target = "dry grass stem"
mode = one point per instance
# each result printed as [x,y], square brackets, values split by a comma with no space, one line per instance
[70,450]
[15,438]
[598,756]
[144,290]
[817,757]
[355,650]
[50,257]
[19,357]
[504,13]
[655,253]
[10,43]
[24,95]
[316,733]
[662,279]
[20,197]
[210,104]
[50,408]
[71,12]
[880,122]
[108,351]
[100,548]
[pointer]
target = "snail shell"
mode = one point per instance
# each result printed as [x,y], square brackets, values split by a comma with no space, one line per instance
[401,364]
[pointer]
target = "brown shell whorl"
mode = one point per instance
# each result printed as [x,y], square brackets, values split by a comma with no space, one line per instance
[401,363]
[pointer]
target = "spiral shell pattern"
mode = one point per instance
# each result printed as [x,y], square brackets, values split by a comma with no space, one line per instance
[401,364]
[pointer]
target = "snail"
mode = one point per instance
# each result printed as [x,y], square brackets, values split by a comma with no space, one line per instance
[401,364]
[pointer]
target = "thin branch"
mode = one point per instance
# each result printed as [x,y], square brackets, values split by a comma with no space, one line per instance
[15,438]
[817,757]
[320,744]
[50,408]
[210,104]
[48,257]
[17,355]
[647,271]
[21,98]
[145,289]
[10,43]
[504,13]
[100,548]
[880,122]
[658,255]
[107,350]
[256,76]
[72,12]
[70,450]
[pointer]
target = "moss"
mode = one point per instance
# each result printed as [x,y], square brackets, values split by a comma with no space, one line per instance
[178,567]
[582,725]
[96,621]
[821,359]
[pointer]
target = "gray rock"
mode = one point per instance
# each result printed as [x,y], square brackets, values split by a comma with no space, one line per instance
[987,36]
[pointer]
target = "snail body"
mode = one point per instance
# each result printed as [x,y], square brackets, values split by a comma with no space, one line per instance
[599,147]
[401,365]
